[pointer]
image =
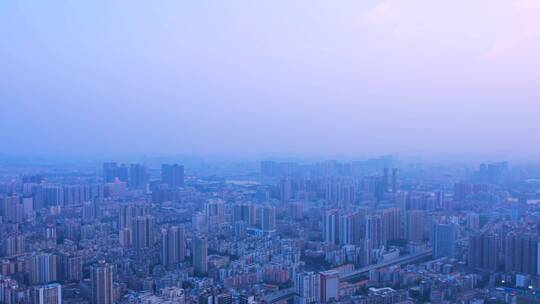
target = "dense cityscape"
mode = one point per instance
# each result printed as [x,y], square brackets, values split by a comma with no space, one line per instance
[373,231]
[269,152]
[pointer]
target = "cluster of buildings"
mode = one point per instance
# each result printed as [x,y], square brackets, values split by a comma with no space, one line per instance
[372,231]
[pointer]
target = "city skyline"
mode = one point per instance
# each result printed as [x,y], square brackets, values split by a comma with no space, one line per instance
[280,152]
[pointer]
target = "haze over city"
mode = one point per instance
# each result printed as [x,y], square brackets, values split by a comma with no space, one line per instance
[278,152]
[281,78]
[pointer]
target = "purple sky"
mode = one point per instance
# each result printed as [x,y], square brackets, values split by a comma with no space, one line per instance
[270,78]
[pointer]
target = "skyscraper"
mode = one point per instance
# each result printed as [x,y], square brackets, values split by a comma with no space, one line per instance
[329,285]
[308,287]
[42,268]
[521,253]
[462,190]
[102,283]
[172,175]
[8,290]
[47,294]
[285,189]
[392,223]
[214,210]
[375,231]
[484,251]
[394,180]
[351,228]
[113,171]
[296,211]
[14,244]
[386,179]
[173,246]
[331,227]
[244,212]
[414,225]
[444,240]
[143,231]
[200,256]
[365,253]
[109,171]
[12,209]
[72,267]
[268,218]
[137,176]
[128,212]
[268,168]
[340,192]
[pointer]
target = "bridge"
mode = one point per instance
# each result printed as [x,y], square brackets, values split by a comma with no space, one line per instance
[403,260]
[277,296]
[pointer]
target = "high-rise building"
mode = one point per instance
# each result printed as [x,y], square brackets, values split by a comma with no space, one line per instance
[72,267]
[112,171]
[143,231]
[117,188]
[9,289]
[268,168]
[128,212]
[47,294]
[375,231]
[285,189]
[296,211]
[340,192]
[200,256]
[223,298]
[439,200]
[245,212]
[247,299]
[214,210]
[122,172]
[386,179]
[348,193]
[125,237]
[137,176]
[484,251]
[214,297]
[102,283]
[91,209]
[444,240]
[173,246]
[109,171]
[11,209]
[331,227]
[42,268]
[268,218]
[392,223]
[521,253]
[73,194]
[351,228]
[13,244]
[462,190]
[394,180]
[35,191]
[346,229]
[308,287]
[330,286]
[365,249]
[414,225]
[240,229]
[473,221]
[172,175]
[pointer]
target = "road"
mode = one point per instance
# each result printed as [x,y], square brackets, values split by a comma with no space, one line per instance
[406,259]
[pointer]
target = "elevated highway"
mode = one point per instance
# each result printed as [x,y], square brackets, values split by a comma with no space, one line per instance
[289,293]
